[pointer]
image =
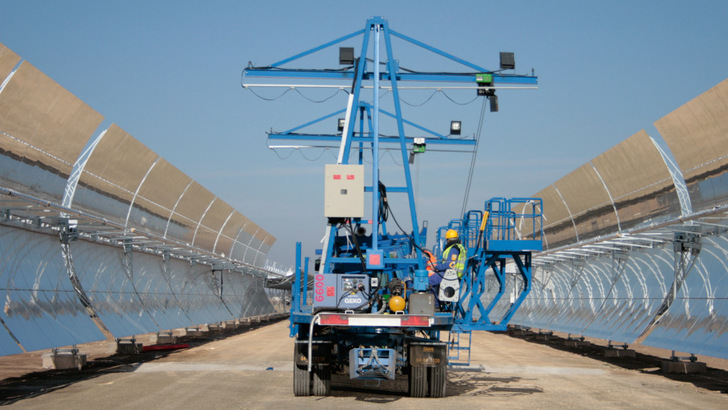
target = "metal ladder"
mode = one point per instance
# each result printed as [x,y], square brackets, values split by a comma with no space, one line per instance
[457,348]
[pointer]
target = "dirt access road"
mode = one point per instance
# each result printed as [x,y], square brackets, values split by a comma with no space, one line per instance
[253,370]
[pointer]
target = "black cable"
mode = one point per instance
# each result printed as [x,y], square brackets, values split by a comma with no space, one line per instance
[472,160]
[267,99]
[318,101]
[459,103]
[356,74]
[383,204]
[435,72]
[362,259]
[412,241]
[303,70]
[410,237]
[423,102]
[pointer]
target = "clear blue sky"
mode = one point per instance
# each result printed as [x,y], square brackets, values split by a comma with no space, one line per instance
[168,72]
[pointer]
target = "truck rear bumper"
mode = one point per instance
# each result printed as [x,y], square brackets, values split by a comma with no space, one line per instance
[375,320]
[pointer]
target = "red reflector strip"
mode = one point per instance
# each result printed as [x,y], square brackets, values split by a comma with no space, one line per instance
[333,320]
[416,321]
[337,176]
[350,177]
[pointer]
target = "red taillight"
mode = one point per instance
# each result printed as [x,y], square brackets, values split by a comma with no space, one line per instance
[416,321]
[333,320]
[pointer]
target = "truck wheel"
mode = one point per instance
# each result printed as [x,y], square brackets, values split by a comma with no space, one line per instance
[438,380]
[301,377]
[418,381]
[301,381]
[322,381]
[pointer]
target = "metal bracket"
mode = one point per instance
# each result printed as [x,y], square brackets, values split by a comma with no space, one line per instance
[691,358]
[624,346]
[69,229]
[580,338]
[684,242]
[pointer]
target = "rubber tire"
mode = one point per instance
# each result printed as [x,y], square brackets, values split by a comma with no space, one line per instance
[418,381]
[438,380]
[301,381]
[322,381]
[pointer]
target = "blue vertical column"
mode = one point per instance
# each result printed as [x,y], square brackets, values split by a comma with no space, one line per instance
[304,284]
[295,292]
[375,142]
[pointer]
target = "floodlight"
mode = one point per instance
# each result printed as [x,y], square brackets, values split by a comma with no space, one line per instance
[493,99]
[342,122]
[455,127]
[507,61]
[346,55]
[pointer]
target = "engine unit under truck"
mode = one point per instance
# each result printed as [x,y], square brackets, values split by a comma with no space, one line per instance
[371,313]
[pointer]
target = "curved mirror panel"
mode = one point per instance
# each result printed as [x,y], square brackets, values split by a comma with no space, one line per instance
[40,306]
[43,129]
[696,134]
[638,181]
[8,61]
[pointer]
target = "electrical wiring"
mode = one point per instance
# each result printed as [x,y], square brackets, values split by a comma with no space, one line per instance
[319,101]
[389,212]
[472,160]
[319,156]
[266,98]
[459,103]
[350,229]
[275,151]
[409,70]
[386,151]
[296,149]
[422,103]
[383,203]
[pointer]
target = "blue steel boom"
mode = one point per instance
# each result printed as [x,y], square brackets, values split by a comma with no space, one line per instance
[373,313]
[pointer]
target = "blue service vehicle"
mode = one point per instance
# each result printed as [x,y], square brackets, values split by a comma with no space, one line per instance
[371,313]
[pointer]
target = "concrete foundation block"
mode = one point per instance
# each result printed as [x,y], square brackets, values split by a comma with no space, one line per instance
[215,328]
[182,332]
[230,324]
[575,343]
[669,366]
[63,360]
[619,353]
[128,347]
[165,340]
[192,331]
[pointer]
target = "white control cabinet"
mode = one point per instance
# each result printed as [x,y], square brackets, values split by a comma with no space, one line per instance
[344,191]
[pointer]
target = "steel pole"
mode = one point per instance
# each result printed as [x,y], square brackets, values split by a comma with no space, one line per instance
[375,143]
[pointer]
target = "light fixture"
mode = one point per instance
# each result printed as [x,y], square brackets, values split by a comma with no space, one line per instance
[342,121]
[346,55]
[507,61]
[493,99]
[455,127]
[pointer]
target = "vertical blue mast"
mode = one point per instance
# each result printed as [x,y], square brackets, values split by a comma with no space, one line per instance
[403,145]
[375,142]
